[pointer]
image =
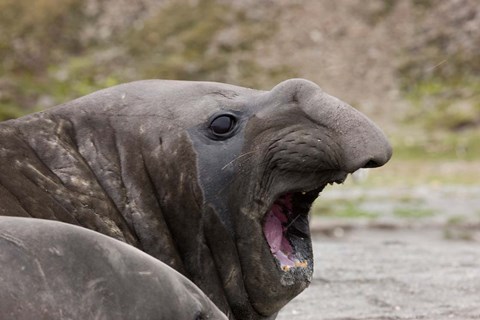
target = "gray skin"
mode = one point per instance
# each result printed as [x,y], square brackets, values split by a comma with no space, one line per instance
[140,162]
[53,270]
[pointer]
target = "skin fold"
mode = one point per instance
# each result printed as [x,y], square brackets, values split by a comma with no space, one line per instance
[141,162]
[52,270]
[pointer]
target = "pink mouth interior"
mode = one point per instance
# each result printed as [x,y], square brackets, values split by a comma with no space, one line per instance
[275,231]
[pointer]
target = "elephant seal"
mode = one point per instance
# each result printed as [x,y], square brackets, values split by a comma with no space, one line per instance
[53,270]
[214,180]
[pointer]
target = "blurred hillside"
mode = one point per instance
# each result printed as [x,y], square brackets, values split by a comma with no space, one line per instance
[412,65]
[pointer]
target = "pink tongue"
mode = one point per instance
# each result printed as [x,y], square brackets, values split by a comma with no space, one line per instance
[274,232]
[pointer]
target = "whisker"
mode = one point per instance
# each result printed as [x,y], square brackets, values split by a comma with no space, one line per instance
[240,156]
[247,153]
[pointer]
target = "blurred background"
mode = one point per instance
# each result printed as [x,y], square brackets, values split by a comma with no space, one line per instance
[413,66]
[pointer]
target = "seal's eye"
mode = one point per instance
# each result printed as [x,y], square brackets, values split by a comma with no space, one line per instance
[222,125]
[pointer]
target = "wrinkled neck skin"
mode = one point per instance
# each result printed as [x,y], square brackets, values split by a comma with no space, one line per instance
[113,169]
[151,178]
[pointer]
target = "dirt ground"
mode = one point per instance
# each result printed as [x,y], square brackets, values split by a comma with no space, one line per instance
[403,273]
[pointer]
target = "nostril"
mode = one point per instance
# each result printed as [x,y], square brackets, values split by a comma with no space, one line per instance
[372,164]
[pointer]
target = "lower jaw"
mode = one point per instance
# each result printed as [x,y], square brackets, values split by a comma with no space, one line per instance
[294,262]
[286,285]
[272,304]
[271,287]
[302,270]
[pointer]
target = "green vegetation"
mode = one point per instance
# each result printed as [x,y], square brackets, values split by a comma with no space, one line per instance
[445,104]
[443,90]
[39,33]
[379,13]
[198,42]
[456,220]
[342,209]
[412,212]
[437,145]
[458,228]
[35,35]
[405,207]
[439,75]
[50,54]
[9,112]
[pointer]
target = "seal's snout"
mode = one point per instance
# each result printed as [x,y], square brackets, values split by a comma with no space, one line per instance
[363,144]
[377,159]
[357,141]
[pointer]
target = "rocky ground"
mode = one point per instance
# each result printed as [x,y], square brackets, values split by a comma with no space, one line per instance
[391,274]
[395,268]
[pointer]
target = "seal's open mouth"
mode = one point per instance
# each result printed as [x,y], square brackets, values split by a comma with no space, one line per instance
[286,228]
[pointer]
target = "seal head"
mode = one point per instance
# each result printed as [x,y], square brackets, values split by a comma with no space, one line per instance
[263,158]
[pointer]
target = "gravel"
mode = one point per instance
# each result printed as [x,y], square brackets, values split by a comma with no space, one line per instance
[399,273]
